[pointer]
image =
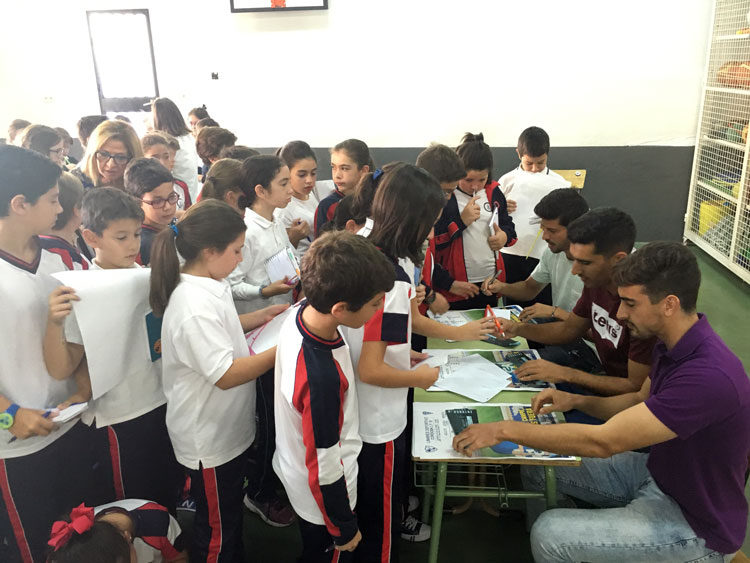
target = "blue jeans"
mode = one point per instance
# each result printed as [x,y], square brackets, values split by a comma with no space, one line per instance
[636,521]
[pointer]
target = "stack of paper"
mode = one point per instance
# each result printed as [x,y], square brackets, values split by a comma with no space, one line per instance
[266,336]
[471,376]
[282,265]
[506,360]
[70,412]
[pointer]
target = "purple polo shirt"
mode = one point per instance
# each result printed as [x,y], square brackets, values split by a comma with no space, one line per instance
[700,391]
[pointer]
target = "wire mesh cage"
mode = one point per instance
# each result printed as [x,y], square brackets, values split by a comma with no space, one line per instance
[719,205]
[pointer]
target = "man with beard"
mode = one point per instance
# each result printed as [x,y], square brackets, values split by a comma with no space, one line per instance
[684,500]
[599,240]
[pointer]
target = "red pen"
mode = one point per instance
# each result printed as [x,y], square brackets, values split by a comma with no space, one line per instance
[488,312]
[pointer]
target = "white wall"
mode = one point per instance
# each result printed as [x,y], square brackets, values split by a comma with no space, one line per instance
[391,72]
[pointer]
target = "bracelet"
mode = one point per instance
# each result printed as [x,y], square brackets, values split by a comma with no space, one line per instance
[260,291]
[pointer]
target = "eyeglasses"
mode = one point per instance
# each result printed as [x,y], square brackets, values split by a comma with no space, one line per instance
[158,202]
[58,152]
[104,157]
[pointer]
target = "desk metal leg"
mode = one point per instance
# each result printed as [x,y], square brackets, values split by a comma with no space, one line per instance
[429,474]
[437,511]
[550,485]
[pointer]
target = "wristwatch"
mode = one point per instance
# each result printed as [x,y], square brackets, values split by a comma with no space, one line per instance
[7,418]
[430,299]
[260,291]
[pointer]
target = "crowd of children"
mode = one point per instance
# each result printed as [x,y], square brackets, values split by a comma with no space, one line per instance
[315,429]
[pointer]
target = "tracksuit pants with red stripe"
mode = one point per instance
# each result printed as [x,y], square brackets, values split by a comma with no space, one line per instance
[39,488]
[380,500]
[317,545]
[141,460]
[217,529]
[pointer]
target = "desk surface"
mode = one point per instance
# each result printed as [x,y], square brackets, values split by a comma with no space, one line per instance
[522,397]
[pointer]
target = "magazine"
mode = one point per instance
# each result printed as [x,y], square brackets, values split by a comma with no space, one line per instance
[459,318]
[435,425]
[507,360]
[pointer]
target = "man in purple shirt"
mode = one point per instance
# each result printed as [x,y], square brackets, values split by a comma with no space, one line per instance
[683,501]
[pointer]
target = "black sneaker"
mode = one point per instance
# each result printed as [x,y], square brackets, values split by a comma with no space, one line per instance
[414,530]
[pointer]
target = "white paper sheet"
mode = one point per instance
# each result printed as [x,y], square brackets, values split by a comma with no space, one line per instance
[282,265]
[71,412]
[266,336]
[111,317]
[527,195]
[473,377]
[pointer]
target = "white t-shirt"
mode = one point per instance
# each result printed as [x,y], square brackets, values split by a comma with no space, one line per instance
[263,239]
[139,392]
[165,525]
[478,256]
[201,337]
[556,269]
[299,209]
[186,165]
[527,188]
[307,369]
[24,379]
[382,410]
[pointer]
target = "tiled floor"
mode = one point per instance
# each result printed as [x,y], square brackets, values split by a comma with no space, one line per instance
[476,536]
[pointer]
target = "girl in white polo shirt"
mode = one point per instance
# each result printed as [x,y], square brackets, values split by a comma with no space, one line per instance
[264,180]
[299,216]
[265,183]
[407,203]
[208,376]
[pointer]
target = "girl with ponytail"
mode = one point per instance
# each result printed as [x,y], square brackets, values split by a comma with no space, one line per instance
[223,182]
[208,374]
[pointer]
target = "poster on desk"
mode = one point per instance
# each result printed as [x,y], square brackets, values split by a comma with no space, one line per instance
[506,360]
[435,425]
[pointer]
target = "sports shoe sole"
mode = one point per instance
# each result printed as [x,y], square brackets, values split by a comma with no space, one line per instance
[252,508]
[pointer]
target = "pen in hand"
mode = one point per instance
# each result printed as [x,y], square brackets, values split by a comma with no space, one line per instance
[45,415]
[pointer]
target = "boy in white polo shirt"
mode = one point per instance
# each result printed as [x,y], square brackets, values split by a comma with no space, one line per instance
[45,467]
[132,436]
[532,176]
[317,424]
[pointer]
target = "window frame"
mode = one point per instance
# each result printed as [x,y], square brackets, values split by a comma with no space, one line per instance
[130,104]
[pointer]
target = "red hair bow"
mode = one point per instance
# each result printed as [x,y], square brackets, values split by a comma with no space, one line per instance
[81,520]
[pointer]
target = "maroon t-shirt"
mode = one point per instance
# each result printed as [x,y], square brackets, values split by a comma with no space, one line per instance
[612,338]
[700,391]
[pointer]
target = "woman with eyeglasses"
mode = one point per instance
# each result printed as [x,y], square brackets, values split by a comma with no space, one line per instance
[44,140]
[111,146]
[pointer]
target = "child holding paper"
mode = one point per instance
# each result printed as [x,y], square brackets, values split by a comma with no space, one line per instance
[407,203]
[130,418]
[45,466]
[265,184]
[209,376]
[266,187]
[474,226]
[528,184]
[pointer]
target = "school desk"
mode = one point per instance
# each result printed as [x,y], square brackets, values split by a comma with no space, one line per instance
[434,478]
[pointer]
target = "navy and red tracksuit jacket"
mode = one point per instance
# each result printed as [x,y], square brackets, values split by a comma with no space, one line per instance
[326,209]
[449,241]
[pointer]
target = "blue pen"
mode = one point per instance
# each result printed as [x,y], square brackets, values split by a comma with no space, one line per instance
[14,438]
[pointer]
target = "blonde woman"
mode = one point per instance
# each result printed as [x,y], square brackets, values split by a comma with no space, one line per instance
[111,146]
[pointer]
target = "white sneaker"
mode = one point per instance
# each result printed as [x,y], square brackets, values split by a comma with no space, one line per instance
[413,503]
[415,531]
